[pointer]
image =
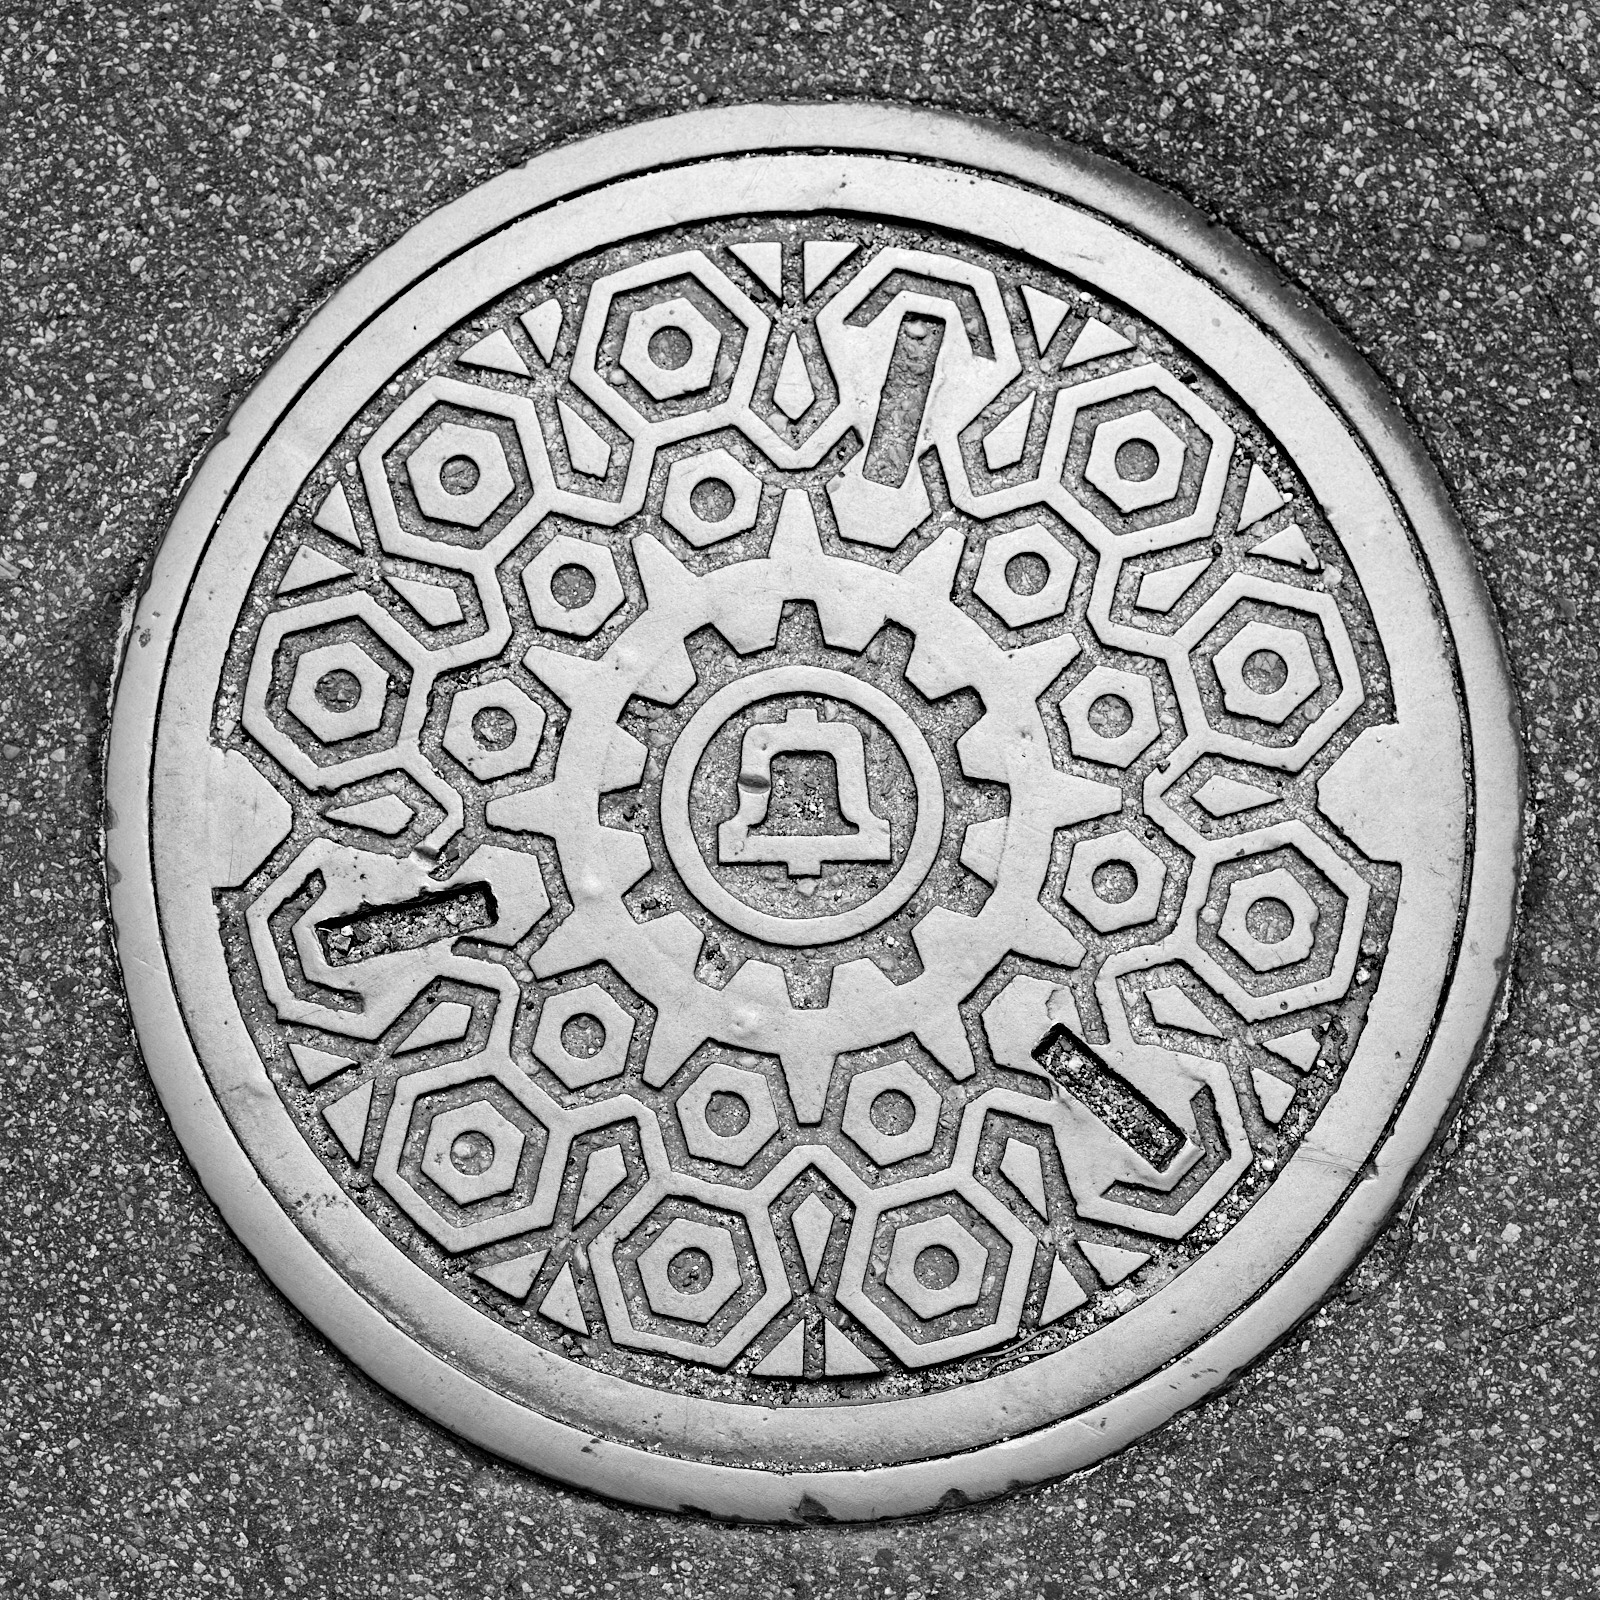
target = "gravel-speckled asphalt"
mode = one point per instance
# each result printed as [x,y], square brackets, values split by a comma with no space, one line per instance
[182,182]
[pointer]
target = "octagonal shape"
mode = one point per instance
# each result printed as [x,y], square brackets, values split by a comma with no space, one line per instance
[577,1071]
[472,1152]
[462,731]
[739,1148]
[1269,955]
[538,578]
[894,1077]
[700,1302]
[333,723]
[659,381]
[1113,749]
[1135,494]
[1125,848]
[710,467]
[452,441]
[915,1240]
[1290,646]
[993,587]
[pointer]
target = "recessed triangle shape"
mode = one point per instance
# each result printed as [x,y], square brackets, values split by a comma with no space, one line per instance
[606,1168]
[793,394]
[1046,313]
[1021,1165]
[587,451]
[514,1277]
[1172,1008]
[1064,1294]
[347,1116]
[311,567]
[496,353]
[333,516]
[543,326]
[1275,1095]
[1261,498]
[1225,797]
[822,258]
[764,258]
[562,1304]
[316,1065]
[787,1358]
[1299,1048]
[1163,588]
[813,1222]
[1112,1264]
[445,1024]
[1094,340]
[1289,546]
[1008,439]
[840,1358]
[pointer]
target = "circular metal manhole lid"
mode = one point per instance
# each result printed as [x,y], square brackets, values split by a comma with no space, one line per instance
[811,813]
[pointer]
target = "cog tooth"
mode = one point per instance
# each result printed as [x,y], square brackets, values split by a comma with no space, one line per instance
[1035,667]
[944,1036]
[862,987]
[676,940]
[936,667]
[666,679]
[749,620]
[566,677]
[757,993]
[1042,937]
[934,568]
[578,942]
[796,545]
[624,764]
[623,859]
[1018,1019]
[667,582]
[674,1037]
[985,751]
[982,846]
[1073,799]
[529,811]
[806,1073]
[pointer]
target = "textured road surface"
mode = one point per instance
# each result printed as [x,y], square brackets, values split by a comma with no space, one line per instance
[183,181]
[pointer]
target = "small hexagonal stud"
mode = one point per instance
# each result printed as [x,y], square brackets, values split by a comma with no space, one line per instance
[727,1114]
[338,692]
[1291,666]
[583,1036]
[472,1152]
[587,616]
[649,349]
[494,729]
[1285,896]
[1111,472]
[487,474]
[1111,717]
[877,1117]
[710,497]
[936,1266]
[689,1271]
[1114,881]
[1011,564]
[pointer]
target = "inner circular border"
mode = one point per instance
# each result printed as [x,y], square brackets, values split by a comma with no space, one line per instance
[1238,289]
[679,777]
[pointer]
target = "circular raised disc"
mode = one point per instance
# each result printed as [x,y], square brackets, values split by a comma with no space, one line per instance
[557,892]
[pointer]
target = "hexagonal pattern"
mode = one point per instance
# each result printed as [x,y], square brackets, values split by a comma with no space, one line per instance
[1129,494]
[538,578]
[701,1298]
[712,467]
[1289,647]
[993,583]
[900,1078]
[463,732]
[1109,850]
[918,1240]
[1269,955]
[741,1146]
[469,507]
[1142,729]
[472,1152]
[641,353]
[577,1071]
[331,723]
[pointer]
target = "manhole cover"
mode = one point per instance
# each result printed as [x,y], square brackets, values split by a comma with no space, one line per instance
[811,813]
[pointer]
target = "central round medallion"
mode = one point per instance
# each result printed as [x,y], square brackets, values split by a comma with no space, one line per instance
[837,808]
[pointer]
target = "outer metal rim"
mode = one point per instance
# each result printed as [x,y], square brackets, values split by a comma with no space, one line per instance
[388,1354]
